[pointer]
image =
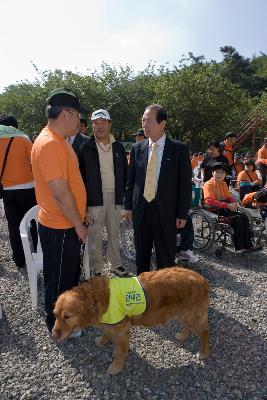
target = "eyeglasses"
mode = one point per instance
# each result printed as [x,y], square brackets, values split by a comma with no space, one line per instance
[78,115]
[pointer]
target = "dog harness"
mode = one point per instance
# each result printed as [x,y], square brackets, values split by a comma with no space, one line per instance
[127,298]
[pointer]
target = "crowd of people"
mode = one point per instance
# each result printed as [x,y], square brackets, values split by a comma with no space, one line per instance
[222,168]
[82,185]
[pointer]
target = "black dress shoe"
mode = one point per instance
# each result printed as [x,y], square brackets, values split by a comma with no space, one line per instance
[21,266]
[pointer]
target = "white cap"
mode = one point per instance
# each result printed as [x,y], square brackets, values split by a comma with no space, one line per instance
[100,114]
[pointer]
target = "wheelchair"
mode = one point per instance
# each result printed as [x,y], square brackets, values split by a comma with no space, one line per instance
[212,229]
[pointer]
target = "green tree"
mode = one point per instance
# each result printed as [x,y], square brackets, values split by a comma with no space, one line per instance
[201,103]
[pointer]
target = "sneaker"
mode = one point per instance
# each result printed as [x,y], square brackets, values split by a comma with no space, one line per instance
[120,271]
[188,256]
[76,334]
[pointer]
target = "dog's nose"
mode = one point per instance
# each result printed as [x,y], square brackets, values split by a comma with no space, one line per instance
[56,333]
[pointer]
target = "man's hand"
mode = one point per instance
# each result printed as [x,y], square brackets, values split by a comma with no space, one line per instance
[232,207]
[128,216]
[89,219]
[180,223]
[81,231]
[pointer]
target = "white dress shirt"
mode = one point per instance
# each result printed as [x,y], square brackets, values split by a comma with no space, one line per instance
[160,148]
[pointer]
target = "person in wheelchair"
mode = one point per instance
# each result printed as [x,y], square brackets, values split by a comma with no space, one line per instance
[257,200]
[248,180]
[218,199]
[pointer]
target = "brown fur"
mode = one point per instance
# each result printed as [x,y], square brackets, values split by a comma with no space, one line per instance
[172,294]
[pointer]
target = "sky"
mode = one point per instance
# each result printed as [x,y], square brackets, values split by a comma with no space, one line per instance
[78,35]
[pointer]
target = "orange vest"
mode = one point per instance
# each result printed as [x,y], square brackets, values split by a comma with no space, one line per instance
[228,152]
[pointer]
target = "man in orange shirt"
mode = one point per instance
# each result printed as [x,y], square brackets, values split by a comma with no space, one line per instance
[61,196]
[262,161]
[17,181]
[194,161]
[227,148]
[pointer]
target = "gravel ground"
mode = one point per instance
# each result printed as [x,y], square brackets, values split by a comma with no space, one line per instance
[33,366]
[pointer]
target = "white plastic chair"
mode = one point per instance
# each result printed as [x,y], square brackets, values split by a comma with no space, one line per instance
[2,209]
[34,261]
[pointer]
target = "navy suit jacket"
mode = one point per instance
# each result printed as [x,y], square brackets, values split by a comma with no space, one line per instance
[174,189]
[78,140]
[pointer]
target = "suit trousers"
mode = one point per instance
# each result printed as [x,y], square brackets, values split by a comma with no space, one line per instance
[109,216]
[187,236]
[16,203]
[61,264]
[148,233]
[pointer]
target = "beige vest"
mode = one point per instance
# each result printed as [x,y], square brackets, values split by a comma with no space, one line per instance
[106,165]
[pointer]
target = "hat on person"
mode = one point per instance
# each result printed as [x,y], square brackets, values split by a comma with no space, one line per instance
[219,165]
[248,162]
[65,98]
[236,155]
[140,132]
[103,114]
[230,135]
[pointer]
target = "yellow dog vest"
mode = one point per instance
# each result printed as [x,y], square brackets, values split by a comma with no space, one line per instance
[127,298]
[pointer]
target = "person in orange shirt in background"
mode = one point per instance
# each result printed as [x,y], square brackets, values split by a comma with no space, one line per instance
[61,196]
[200,156]
[258,200]
[17,181]
[227,148]
[194,161]
[238,166]
[217,195]
[248,180]
[262,161]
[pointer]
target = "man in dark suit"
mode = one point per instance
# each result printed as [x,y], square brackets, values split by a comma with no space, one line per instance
[77,139]
[158,208]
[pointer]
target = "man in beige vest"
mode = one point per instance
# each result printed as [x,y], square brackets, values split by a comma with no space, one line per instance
[103,165]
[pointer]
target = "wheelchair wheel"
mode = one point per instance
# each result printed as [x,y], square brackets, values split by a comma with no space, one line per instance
[127,241]
[204,230]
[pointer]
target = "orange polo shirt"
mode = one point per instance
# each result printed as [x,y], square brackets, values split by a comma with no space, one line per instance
[18,166]
[228,152]
[238,168]
[53,158]
[262,155]
[194,162]
[244,176]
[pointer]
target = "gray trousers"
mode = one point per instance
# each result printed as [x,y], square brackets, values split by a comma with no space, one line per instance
[107,216]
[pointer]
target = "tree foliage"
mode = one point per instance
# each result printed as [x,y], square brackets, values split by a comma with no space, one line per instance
[203,99]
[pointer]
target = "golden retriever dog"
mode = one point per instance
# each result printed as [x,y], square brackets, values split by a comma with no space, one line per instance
[172,294]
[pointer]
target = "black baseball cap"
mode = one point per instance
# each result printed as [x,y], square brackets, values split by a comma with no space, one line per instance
[66,98]
[140,132]
[219,165]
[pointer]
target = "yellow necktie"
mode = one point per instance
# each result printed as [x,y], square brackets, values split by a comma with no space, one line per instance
[151,174]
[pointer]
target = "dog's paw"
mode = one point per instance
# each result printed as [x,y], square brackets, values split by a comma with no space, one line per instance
[202,356]
[115,368]
[99,341]
[181,336]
